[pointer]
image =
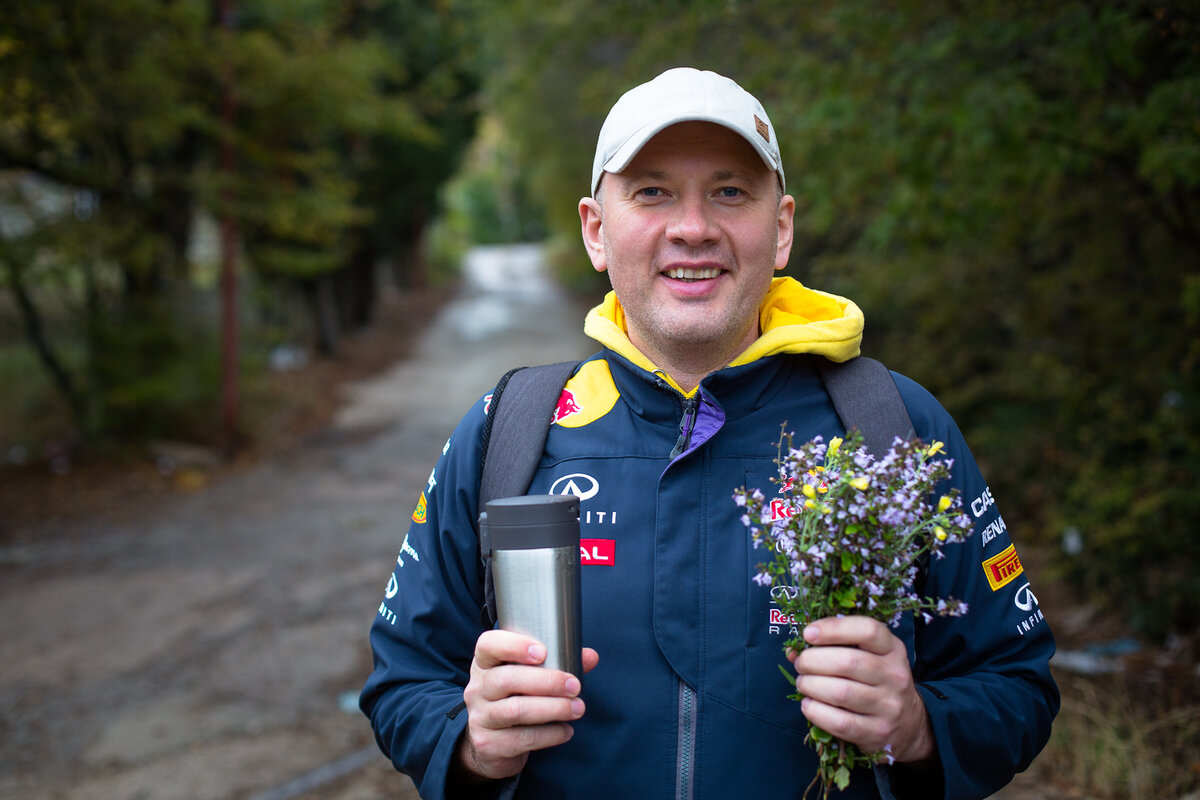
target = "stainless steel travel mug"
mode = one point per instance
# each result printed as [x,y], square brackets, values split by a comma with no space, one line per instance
[534,543]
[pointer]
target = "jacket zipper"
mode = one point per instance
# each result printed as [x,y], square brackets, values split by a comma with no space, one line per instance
[687,743]
[690,406]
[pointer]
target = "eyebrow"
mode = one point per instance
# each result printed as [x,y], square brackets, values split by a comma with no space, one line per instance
[719,175]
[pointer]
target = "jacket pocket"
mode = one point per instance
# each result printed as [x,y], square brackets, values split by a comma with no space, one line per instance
[767,628]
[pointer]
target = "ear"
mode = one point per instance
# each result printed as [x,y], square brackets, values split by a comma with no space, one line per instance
[591,220]
[785,228]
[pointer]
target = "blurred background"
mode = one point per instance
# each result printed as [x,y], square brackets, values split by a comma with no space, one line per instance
[208,209]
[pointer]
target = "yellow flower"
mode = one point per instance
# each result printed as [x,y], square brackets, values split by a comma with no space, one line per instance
[940,533]
[945,502]
[861,483]
[935,448]
[809,504]
[834,444]
[808,491]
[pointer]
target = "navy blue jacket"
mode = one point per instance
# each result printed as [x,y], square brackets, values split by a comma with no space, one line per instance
[687,700]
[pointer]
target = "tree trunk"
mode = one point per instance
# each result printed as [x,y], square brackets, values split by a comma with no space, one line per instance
[323,307]
[35,334]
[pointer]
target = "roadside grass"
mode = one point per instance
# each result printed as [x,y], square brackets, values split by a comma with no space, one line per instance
[1118,739]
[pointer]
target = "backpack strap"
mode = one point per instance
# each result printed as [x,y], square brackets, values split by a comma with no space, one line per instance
[865,396]
[514,436]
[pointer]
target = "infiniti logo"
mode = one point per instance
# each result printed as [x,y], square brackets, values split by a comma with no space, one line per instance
[1025,599]
[582,486]
[783,593]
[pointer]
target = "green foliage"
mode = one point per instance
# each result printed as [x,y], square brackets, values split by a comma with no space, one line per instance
[1011,194]
[1011,191]
[320,129]
[155,377]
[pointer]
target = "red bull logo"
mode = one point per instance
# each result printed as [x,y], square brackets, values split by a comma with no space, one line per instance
[567,406]
[780,618]
[781,510]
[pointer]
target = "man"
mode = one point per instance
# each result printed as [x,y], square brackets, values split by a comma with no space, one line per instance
[705,354]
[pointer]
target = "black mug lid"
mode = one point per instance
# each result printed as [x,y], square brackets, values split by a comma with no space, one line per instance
[533,521]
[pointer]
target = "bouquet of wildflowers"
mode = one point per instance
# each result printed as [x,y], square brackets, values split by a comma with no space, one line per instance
[845,532]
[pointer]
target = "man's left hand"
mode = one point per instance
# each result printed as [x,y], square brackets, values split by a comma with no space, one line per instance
[857,685]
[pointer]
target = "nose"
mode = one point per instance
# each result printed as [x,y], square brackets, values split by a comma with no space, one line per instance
[692,223]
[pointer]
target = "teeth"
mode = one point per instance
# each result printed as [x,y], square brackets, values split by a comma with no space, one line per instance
[692,274]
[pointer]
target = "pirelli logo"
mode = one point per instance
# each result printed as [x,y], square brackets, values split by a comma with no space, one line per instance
[1002,568]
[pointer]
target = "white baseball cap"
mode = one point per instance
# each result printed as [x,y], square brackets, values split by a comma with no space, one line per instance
[682,94]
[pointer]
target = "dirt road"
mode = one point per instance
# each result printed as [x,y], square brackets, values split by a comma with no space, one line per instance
[212,645]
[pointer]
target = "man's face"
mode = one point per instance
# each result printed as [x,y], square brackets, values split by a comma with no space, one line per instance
[690,234]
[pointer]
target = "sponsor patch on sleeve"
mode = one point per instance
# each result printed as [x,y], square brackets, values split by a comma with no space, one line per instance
[420,511]
[1002,568]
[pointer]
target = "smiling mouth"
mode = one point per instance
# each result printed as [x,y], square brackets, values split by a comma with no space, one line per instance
[683,274]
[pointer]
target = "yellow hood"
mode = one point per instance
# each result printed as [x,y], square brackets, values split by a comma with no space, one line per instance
[792,319]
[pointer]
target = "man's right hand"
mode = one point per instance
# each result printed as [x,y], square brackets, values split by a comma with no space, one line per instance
[515,706]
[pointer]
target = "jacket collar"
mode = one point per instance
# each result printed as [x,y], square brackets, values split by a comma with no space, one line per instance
[792,319]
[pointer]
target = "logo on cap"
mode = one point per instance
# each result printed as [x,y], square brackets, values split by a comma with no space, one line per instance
[762,128]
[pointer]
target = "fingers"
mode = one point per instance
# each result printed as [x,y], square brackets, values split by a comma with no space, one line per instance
[848,655]
[499,748]
[897,722]
[515,706]
[496,647]
[505,670]
[863,632]
[511,695]
[505,647]
[858,686]
[871,733]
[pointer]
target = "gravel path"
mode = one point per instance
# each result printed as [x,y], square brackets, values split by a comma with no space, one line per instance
[208,645]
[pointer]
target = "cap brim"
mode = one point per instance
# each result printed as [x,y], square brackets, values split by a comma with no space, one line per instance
[634,144]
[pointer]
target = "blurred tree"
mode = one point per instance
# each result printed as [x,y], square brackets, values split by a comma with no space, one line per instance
[1012,193]
[366,107]
[341,109]
[1019,189]
[99,103]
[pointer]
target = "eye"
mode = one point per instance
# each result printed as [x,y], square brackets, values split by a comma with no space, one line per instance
[729,192]
[651,191]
